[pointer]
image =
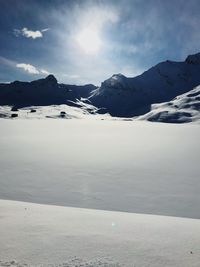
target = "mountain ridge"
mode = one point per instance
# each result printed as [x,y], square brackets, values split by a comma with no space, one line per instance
[45,91]
[122,96]
[119,95]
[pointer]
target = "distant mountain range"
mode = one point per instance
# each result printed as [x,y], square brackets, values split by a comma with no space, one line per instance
[121,96]
[42,92]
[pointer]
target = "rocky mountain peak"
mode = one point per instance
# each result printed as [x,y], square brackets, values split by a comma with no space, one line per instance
[51,78]
[193,59]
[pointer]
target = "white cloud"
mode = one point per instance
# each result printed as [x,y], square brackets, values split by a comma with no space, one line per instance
[31,69]
[29,33]
[28,67]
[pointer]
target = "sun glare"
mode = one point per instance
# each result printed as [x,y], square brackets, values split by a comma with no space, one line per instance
[89,41]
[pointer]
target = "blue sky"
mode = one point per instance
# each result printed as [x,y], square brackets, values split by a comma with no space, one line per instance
[124,36]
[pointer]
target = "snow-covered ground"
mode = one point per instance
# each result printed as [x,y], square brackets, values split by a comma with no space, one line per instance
[43,235]
[130,166]
[54,112]
[89,166]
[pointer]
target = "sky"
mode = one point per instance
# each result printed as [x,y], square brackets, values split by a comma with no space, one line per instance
[87,41]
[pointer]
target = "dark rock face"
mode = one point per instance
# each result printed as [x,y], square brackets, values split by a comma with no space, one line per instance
[127,97]
[51,79]
[193,59]
[14,115]
[41,92]
[167,117]
[62,114]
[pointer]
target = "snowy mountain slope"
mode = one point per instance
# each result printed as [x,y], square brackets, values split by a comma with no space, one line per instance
[41,92]
[122,96]
[183,108]
[76,110]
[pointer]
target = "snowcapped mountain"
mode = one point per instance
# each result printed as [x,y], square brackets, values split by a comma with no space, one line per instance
[119,96]
[183,108]
[42,92]
[127,97]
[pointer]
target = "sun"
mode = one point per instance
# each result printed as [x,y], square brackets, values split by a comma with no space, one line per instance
[89,41]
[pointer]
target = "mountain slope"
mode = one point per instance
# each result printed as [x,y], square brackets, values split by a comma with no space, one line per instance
[41,92]
[122,96]
[119,96]
[183,108]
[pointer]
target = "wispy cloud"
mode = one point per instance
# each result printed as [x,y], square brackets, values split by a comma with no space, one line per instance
[45,30]
[28,67]
[129,49]
[99,16]
[29,33]
[7,62]
[31,69]
[44,71]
